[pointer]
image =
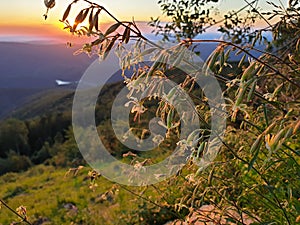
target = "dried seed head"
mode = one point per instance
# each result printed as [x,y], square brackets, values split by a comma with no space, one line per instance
[49,3]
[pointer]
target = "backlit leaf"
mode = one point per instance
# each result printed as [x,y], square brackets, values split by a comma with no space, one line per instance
[126,35]
[112,28]
[67,12]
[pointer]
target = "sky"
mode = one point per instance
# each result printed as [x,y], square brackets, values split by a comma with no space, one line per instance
[21,18]
[25,17]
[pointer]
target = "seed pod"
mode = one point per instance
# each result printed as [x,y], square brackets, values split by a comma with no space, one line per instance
[242,92]
[288,114]
[240,96]
[49,3]
[261,70]
[78,19]
[222,59]
[212,61]
[98,41]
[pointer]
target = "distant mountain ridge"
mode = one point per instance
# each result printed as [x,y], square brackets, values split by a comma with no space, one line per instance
[27,69]
[30,68]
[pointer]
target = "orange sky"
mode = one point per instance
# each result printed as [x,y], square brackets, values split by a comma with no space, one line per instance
[25,17]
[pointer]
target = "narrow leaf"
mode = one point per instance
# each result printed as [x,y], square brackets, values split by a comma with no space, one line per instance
[109,47]
[126,35]
[242,61]
[147,51]
[67,12]
[170,118]
[91,21]
[79,17]
[252,161]
[256,144]
[84,15]
[179,58]
[112,28]
[96,20]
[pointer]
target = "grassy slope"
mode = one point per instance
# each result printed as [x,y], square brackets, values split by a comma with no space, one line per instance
[44,191]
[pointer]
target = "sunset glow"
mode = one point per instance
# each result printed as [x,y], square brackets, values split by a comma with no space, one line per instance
[26,17]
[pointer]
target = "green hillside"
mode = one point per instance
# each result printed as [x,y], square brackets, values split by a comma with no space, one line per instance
[47,102]
[51,197]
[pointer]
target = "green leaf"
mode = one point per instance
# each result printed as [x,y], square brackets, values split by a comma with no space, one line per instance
[170,118]
[255,149]
[242,61]
[252,161]
[201,149]
[210,176]
[252,90]
[256,144]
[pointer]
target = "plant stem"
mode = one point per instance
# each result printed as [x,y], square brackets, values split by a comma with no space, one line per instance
[24,219]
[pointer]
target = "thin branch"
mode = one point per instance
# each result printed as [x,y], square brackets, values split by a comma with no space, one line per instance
[256,11]
[276,71]
[24,219]
[235,13]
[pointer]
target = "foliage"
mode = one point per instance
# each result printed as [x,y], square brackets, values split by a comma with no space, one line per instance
[255,178]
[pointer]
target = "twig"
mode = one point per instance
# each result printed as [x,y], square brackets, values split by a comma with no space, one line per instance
[24,219]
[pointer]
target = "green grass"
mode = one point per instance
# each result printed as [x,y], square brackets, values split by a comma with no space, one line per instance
[44,190]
